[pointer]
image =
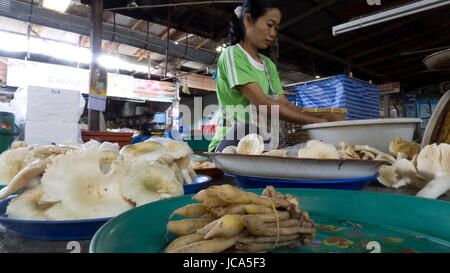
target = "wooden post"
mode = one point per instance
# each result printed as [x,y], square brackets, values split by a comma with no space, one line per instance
[96,49]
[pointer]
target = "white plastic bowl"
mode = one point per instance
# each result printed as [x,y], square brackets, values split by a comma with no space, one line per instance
[377,133]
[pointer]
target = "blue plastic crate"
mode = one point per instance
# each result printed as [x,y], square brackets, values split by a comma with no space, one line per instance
[361,99]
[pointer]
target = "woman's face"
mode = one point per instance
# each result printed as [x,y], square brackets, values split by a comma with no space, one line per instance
[262,32]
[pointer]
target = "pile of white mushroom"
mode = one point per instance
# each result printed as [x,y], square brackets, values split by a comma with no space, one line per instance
[254,145]
[426,170]
[92,180]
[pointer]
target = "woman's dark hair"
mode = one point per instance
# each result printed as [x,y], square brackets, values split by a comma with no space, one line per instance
[256,8]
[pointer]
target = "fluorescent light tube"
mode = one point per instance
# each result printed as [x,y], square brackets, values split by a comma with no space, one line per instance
[389,15]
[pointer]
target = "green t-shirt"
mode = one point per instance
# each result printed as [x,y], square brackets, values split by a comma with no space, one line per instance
[236,67]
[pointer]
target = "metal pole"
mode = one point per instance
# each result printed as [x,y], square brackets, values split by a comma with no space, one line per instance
[167,45]
[96,49]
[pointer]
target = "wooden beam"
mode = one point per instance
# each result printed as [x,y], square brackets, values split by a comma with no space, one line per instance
[184,27]
[144,55]
[324,54]
[407,70]
[163,34]
[326,32]
[221,34]
[428,30]
[36,29]
[138,52]
[424,79]
[307,69]
[111,47]
[287,48]
[202,43]
[218,14]
[182,36]
[419,46]
[307,13]
[136,24]
[398,64]
[414,75]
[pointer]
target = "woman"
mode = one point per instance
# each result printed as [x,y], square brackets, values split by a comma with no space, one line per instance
[243,74]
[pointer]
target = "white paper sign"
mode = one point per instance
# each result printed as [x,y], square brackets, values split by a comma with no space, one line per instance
[97,102]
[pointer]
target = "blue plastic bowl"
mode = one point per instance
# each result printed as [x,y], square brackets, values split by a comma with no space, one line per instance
[197,184]
[50,230]
[345,184]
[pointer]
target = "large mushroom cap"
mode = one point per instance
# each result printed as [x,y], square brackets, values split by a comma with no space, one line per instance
[406,170]
[19,144]
[148,151]
[26,206]
[230,150]
[46,151]
[25,177]
[319,150]
[82,190]
[12,162]
[108,146]
[252,144]
[434,161]
[387,177]
[91,144]
[399,145]
[177,149]
[148,183]
[180,152]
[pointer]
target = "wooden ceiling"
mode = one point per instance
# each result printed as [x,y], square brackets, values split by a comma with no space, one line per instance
[387,52]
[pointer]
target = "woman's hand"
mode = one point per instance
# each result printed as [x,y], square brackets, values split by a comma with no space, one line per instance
[331,117]
[288,111]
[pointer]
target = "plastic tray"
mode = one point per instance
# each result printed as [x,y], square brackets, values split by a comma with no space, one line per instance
[50,230]
[344,184]
[293,168]
[69,230]
[198,183]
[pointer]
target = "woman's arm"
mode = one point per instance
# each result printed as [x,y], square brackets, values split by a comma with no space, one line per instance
[288,111]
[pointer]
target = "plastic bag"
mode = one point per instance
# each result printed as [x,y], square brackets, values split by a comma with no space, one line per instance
[19,105]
